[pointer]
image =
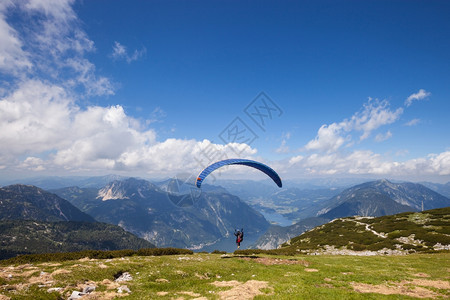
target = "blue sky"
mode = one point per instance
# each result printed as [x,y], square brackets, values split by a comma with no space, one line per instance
[151,88]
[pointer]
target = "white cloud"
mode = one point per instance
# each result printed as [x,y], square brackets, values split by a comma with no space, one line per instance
[382,137]
[283,147]
[58,9]
[51,47]
[413,122]
[296,159]
[85,75]
[34,118]
[374,114]
[328,138]
[157,115]
[368,163]
[121,52]
[41,123]
[420,95]
[13,59]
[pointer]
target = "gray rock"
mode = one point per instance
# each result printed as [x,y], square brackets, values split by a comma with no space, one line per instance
[89,289]
[124,277]
[76,295]
[123,289]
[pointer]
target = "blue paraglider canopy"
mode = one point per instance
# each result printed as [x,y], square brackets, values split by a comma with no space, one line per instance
[237,161]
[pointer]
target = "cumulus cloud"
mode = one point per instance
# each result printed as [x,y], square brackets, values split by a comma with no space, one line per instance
[420,95]
[368,163]
[120,52]
[373,115]
[33,118]
[43,124]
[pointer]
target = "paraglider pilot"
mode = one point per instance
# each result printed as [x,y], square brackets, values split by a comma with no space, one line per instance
[239,236]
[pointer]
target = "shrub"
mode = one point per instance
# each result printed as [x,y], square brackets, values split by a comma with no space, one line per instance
[358,247]
[93,254]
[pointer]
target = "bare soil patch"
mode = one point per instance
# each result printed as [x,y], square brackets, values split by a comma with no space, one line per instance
[19,271]
[439,284]
[61,271]
[311,270]
[50,264]
[192,294]
[102,266]
[241,291]
[110,284]
[406,288]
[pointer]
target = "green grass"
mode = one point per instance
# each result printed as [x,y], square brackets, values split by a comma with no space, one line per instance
[195,273]
[430,228]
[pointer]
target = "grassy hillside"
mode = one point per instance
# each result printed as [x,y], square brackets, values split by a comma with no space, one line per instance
[212,276]
[401,233]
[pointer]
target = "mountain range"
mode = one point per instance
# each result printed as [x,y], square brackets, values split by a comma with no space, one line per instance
[31,203]
[172,214]
[165,218]
[370,199]
[36,221]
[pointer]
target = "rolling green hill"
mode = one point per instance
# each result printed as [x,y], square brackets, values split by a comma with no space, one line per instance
[409,232]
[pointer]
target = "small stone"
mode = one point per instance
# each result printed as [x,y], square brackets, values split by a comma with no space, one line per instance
[89,289]
[124,277]
[76,295]
[123,289]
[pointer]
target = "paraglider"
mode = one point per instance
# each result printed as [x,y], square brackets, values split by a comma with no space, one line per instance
[237,161]
[239,237]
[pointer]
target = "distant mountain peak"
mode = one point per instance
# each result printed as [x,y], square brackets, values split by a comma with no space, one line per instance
[125,189]
[112,191]
[377,198]
[21,201]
